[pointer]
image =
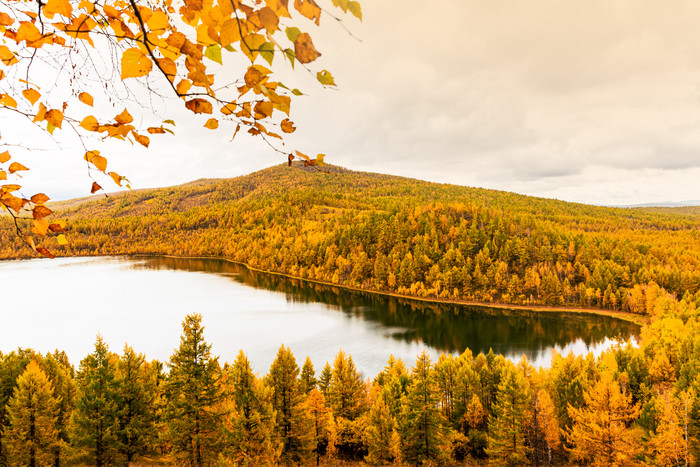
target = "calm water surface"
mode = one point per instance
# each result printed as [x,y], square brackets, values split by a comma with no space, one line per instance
[64,303]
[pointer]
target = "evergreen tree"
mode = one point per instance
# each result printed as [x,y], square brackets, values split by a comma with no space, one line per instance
[381,438]
[60,373]
[291,425]
[308,377]
[32,435]
[191,393]
[95,421]
[423,427]
[249,425]
[506,425]
[136,396]
[599,433]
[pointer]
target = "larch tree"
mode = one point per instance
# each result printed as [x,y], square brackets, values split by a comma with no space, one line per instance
[95,421]
[307,378]
[71,68]
[60,373]
[32,435]
[192,393]
[509,416]
[381,435]
[599,433]
[422,426]
[322,425]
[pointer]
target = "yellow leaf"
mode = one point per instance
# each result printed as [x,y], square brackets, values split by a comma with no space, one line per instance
[85,98]
[32,95]
[55,117]
[308,8]
[116,177]
[135,63]
[268,19]
[229,108]
[319,159]
[95,159]
[39,198]
[41,114]
[158,22]
[263,109]
[40,227]
[183,86]
[304,49]
[62,240]
[90,123]
[16,167]
[212,124]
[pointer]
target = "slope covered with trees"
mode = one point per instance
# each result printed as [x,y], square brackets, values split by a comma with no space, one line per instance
[399,235]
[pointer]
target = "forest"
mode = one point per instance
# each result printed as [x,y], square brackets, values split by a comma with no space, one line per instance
[397,235]
[636,404]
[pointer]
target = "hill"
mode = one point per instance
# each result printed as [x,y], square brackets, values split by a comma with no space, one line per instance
[393,234]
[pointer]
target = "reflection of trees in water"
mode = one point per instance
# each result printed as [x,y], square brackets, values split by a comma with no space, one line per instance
[447,327]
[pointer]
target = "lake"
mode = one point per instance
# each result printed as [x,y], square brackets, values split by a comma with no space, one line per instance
[65,302]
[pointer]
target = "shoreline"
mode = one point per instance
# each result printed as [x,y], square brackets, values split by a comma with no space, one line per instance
[622,315]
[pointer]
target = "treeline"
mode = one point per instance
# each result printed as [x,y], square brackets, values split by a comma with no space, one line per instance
[398,235]
[634,405]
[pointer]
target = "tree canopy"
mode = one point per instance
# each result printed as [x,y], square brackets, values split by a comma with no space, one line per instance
[69,66]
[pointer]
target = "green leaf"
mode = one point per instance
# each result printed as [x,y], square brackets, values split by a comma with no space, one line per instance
[169,131]
[297,92]
[342,4]
[170,122]
[50,128]
[292,33]
[325,78]
[291,56]
[355,9]
[213,53]
[267,52]
[230,48]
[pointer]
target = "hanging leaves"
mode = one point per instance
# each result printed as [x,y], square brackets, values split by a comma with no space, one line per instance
[135,63]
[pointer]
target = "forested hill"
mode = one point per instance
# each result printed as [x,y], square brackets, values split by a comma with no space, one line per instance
[394,234]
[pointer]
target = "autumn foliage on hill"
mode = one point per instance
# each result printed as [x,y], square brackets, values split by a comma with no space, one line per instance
[393,234]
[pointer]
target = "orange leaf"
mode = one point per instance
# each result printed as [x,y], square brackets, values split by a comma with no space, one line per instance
[85,98]
[40,227]
[7,57]
[3,175]
[169,68]
[95,187]
[263,110]
[62,7]
[287,126]
[212,124]
[41,114]
[27,31]
[90,123]
[32,95]
[268,19]
[39,212]
[43,251]
[55,117]
[124,118]
[141,139]
[304,49]
[95,159]
[135,63]
[13,202]
[4,157]
[199,106]
[8,101]
[39,198]
[308,8]
[16,167]
[183,86]
[156,130]
[56,228]
[116,177]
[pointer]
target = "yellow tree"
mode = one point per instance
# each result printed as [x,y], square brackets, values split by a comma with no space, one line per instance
[68,66]
[671,445]
[599,434]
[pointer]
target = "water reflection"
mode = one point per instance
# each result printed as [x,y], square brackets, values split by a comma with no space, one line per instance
[446,327]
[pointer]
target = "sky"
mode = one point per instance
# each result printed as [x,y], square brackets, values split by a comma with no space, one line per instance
[594,101]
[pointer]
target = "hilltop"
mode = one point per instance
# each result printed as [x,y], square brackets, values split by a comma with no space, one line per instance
[399,235]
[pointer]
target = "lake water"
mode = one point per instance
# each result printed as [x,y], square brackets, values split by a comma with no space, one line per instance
[64,303]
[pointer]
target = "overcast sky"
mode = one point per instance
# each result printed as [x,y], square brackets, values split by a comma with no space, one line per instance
[594,101]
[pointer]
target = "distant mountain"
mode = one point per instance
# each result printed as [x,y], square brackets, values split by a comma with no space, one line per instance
[394,234]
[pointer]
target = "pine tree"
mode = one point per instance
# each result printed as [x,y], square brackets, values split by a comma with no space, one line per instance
[291,425]
[191,393]
[308,377]
[422,425]
[506,425]
[599,433]
[60,373]
[248,429]
[95,421]
[32,436]
[136,395]
[381,437]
